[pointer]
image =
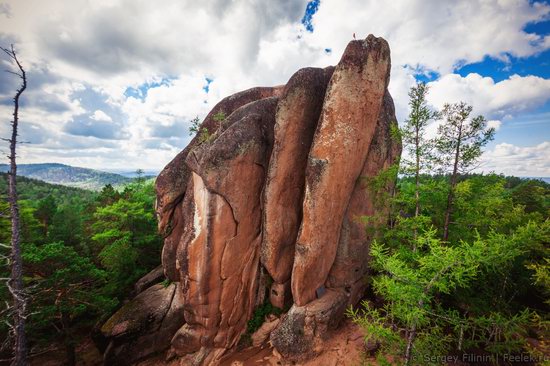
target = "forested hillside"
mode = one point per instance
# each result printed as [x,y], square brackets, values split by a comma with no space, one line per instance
[69,175]
[82,253]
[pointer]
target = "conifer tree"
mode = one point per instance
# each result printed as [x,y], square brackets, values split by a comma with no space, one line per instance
[459,144]
[414,138]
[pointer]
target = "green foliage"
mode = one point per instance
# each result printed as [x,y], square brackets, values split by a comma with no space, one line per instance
[124,237]
[423,292]
[196,129]
[82,253]
[486,285]
[219,117]
[460,138]
[413,133]
[195,126]
[534,195]
[66,287]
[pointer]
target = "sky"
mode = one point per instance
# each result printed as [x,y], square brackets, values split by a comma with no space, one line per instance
[113,85]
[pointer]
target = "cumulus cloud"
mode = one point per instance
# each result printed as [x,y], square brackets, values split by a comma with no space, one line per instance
[129,75]
[436,35]
[494,100]
[99,115]
[494,124]
[515,160]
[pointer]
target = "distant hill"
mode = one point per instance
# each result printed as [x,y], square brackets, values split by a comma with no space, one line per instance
[133,174]
[34,190]
[67,175]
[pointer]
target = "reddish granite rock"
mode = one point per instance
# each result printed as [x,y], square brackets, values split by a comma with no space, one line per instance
[302,329]
[171,183]
[340,147]
[223,256]
[277,178]
[296,120]
[351,262]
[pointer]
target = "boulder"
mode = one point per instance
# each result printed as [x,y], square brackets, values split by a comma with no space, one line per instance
[261,335]
[302,330]
[150,279]
[143,326]
[280,295]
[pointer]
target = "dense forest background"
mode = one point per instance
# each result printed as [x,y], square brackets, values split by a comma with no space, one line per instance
[82,251]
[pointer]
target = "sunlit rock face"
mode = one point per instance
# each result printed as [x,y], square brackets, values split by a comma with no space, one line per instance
[266,204]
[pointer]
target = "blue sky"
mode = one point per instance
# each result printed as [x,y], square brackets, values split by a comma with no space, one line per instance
[114,84]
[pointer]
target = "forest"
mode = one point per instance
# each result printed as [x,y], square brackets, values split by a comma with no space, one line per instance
[82,253]
[461,271]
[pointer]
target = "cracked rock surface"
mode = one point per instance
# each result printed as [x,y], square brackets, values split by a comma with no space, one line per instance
[265,204]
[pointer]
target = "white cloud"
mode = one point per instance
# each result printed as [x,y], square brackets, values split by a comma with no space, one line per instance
[496,124]
[434,34]
[109,46]
[101,116]
[494,100]
[509,159]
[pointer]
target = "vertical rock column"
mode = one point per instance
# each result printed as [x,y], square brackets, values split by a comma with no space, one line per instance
[340,147]
[296,119]
[352,257]
[352,142]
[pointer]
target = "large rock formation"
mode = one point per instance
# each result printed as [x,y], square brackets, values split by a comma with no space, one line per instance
[271,192]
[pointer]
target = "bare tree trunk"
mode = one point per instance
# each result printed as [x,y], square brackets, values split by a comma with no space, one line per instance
[68,341]
[15,284]
[410,342]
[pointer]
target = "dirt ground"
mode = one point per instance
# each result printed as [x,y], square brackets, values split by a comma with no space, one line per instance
[344,347]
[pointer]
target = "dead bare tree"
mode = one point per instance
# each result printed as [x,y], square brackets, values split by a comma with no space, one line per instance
[15,282]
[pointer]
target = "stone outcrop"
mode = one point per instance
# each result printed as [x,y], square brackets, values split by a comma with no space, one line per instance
[172,182]
[267,199]
[351,261]
[340,146]
[150,279]
[223,256]
[143,326]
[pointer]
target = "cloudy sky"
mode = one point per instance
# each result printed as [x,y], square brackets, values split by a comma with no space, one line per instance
[114,84]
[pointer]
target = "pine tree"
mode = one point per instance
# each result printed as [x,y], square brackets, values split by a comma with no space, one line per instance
[459,144]
[418,146]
